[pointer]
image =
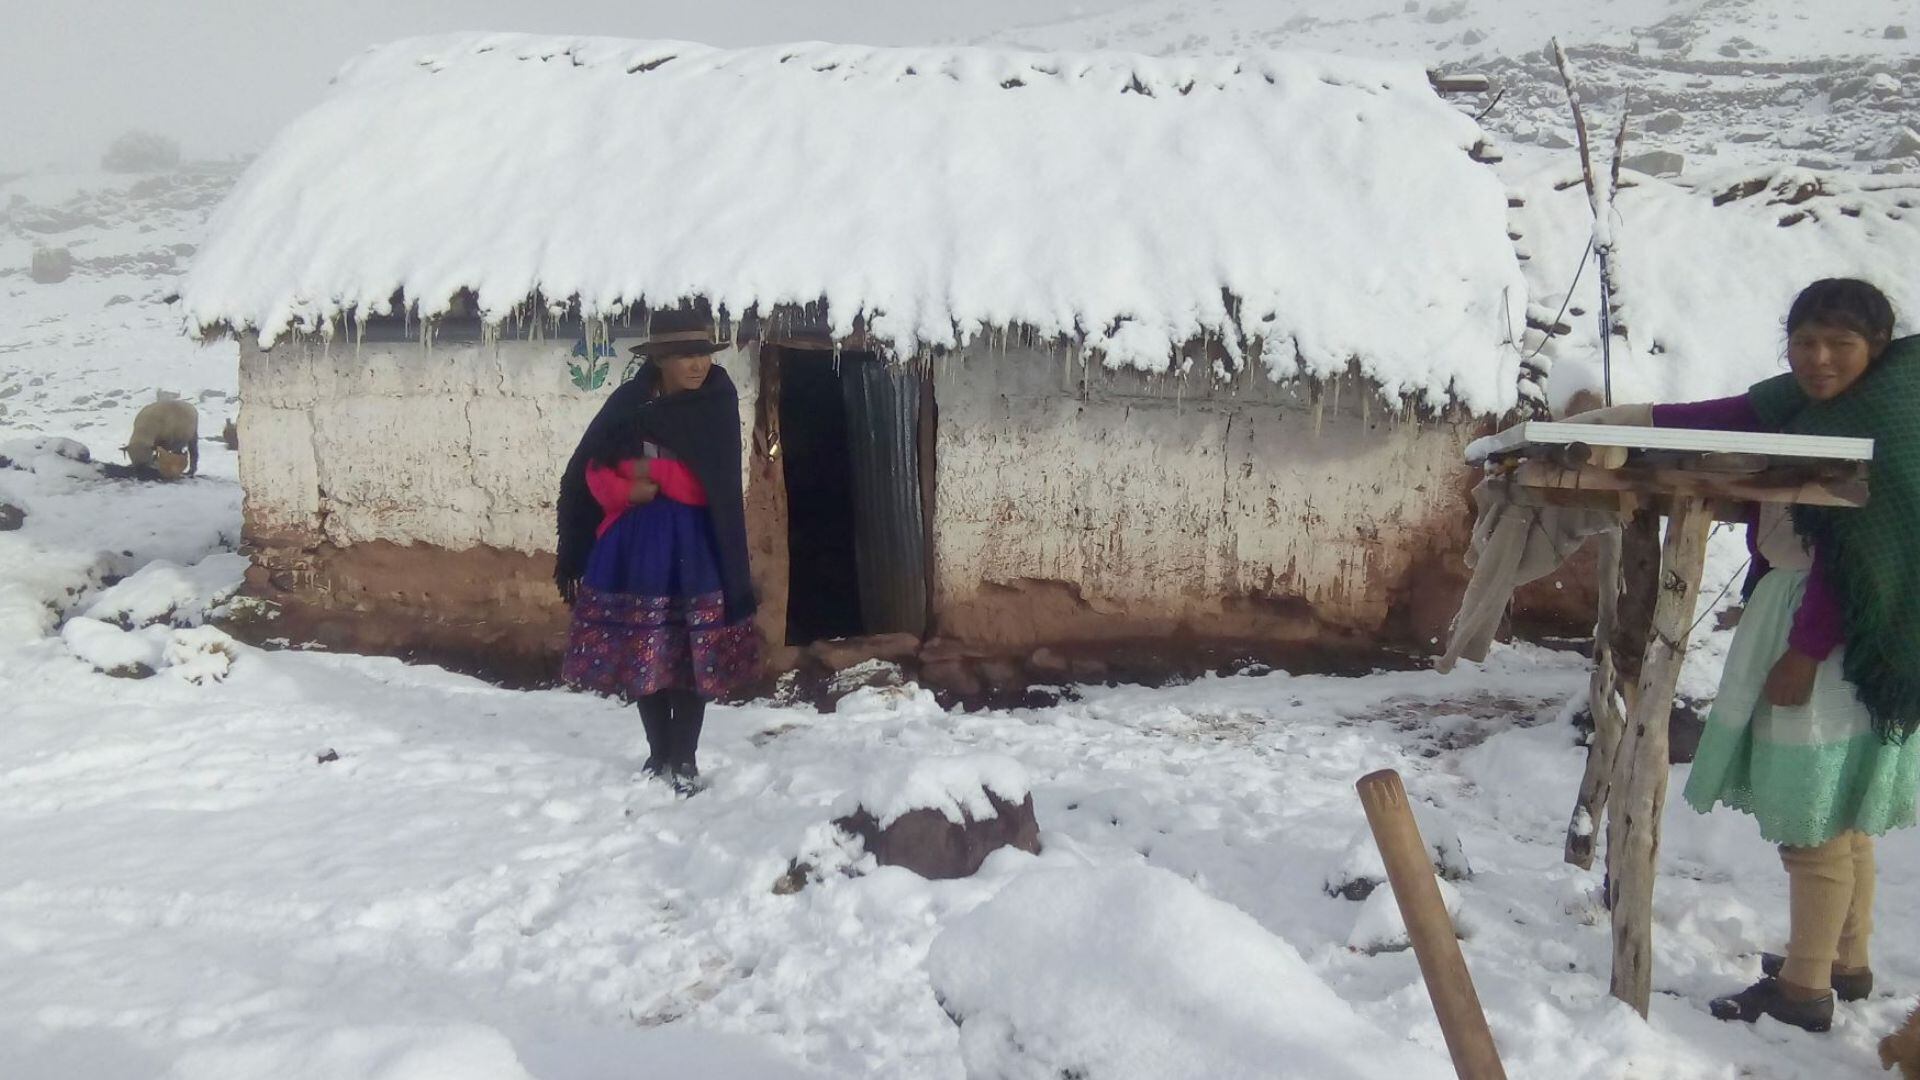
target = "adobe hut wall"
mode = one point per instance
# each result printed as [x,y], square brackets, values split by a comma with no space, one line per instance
[399,499]
[1076,504]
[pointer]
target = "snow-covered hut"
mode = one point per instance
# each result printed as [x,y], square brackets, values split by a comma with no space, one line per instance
[1035,349]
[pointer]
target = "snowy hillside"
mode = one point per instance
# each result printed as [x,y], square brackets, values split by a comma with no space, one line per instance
[87,266]
[1723,82]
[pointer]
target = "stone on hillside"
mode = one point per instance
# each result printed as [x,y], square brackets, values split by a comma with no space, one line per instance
[1666,123]
[11,517]
[1656,163]
[1896,33]
[51,266]
[942,817]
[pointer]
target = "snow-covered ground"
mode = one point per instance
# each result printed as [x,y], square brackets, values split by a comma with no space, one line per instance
[295,864]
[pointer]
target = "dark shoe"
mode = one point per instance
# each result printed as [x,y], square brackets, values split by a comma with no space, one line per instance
[1847,986]
[686,779]
[653,769]
[1768,998]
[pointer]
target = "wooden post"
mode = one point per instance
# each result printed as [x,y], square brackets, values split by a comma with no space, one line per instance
[1410,870]
[1631,564]
[1640,771]
[1589,811]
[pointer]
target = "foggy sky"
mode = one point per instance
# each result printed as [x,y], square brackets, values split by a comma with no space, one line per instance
[220,76]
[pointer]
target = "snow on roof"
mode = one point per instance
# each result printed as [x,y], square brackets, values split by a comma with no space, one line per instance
[1127,201]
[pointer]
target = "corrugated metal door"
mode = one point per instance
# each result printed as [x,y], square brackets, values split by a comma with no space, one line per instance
[890,540]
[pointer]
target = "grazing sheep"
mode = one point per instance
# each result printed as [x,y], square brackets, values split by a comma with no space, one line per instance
[171,425]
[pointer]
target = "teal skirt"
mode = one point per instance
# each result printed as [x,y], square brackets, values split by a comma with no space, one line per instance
[1807,773]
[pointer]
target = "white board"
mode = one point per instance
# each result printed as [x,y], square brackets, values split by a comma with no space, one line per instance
[1544,433]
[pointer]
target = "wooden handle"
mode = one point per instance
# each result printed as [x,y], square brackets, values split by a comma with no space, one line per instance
[1418,893]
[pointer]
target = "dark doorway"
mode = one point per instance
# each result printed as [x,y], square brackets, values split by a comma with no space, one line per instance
[851,434]
[823,590]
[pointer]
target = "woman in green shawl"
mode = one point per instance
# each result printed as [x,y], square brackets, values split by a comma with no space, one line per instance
[1810,732]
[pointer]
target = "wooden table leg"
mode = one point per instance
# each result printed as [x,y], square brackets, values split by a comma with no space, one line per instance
[1640,772]
[1589,812]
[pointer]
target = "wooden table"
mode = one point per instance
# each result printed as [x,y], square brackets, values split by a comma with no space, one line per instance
[1649,589]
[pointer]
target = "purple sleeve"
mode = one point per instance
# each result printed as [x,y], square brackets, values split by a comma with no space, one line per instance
[1820,625]
[1721,414]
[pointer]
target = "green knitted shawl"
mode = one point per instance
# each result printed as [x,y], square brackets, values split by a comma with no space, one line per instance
[1871,554]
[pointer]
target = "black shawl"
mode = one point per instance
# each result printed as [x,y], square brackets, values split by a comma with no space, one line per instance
[702,428]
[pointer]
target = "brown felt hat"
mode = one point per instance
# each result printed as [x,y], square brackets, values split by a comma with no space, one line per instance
[679,332]
[678,343]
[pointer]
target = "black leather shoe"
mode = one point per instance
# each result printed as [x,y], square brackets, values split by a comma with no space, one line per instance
[1768,998]
[1847,986]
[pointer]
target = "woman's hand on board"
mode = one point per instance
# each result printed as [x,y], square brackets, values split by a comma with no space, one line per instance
[642,491]
[1790,683]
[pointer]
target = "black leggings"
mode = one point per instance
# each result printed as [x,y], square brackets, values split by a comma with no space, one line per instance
[672,719]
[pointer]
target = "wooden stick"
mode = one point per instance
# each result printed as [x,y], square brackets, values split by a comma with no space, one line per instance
[1590,809]
[1640,771]
[1415,889]
[1579,124]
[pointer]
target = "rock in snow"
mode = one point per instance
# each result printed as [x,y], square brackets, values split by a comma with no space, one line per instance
[1361,869]
[942,817]
[1381,929]
[164,591]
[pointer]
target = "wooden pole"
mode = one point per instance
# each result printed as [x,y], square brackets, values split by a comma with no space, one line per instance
[1415,889]
[1640,771]
[1590,810]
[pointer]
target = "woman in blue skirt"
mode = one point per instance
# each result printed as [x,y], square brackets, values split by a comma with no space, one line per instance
[652,547]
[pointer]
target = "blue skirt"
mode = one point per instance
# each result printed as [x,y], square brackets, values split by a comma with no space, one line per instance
[660,548]
[651,614]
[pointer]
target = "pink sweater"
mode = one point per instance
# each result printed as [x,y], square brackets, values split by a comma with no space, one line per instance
[1821,624]
[611,487]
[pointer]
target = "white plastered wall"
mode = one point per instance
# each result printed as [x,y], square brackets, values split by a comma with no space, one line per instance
[455,446]
[1170,494]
